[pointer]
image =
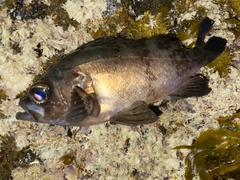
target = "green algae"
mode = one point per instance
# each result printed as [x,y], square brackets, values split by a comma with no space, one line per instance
[183,6]
[236,5]
[222,63]
[60,15]
[233,8]
[136,8]
[147,26]
[215,154]
[235,28]
[11,157]
[68,159]
[230,5]
[3,97]
[189,30]
[37,9]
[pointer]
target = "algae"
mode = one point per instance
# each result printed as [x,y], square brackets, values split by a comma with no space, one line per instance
[122,24]
[68,159]
[136,8]
[188,30]
[3,96]
[11,157]
[37,9]
[231,5]
[215,154]
[235,25]
[222,63]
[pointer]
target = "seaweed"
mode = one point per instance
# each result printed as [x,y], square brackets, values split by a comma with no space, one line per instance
[123,24]
[222,63]
[137,8]
[235,28]
[11,157]
[188,30]
[37,9]
[233,8]
[183,6]
[3,97]
[17,9]
[215,154]
[230,5]
[68,159]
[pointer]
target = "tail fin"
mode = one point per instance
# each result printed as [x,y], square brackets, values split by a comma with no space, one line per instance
[204,28]
[214,47]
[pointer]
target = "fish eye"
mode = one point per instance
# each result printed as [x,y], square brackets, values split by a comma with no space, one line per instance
[39,93]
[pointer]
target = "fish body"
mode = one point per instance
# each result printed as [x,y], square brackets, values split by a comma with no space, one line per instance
[117,79]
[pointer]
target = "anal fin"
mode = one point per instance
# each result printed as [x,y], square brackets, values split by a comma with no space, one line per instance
[139,113]
[196,86]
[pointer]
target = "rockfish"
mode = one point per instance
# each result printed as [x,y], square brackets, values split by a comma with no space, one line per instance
[119,80]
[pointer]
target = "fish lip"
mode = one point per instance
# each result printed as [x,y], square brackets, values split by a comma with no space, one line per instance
[24,115]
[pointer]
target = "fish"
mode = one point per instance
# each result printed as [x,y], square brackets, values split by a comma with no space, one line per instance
[119,80]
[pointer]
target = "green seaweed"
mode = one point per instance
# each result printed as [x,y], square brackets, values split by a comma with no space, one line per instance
[3,96]
[235,26]
[11,157]
[189,30]
[222,63]
[183,7]
[236,5]
[37,9]
[136,8]
[233,8]
[68,159]
[60,15]
[216,152]
[230,5]
[131,28]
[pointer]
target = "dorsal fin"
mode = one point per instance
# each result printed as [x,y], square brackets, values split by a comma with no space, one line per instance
[101,41]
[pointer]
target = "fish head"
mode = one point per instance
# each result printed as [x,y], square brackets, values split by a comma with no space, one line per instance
[54,102]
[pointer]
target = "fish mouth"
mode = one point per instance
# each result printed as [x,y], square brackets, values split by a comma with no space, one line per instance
[24,115]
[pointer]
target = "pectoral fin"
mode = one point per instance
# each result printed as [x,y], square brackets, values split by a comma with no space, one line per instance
[82,105]
[138,113]
[196,86]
